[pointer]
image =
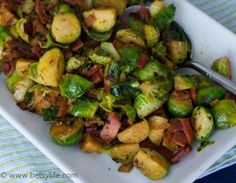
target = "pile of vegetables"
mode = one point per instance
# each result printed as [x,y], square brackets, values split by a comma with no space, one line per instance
[109,84]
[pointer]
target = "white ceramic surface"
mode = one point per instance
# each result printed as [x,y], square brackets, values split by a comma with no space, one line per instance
[210,40]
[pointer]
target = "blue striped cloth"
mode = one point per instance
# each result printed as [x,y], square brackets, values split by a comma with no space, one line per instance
[18,155]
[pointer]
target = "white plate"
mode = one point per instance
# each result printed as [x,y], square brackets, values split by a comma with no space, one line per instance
[210,40]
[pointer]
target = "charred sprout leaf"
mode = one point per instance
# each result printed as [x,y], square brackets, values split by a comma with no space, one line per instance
[50,113]
[129,111]
[110,49]
[204,144]
[113,72]
[107,101]
[19,30]
[84,108]
[224,113]
[135,24]
[67,131]
[126,90]
[29,99]
[100,57]
[74,86]
[222,66]
[50,43]
[129,56]
[206,95]
[145,105]
[151,69]
[204,124]
[164,17]
[74,64]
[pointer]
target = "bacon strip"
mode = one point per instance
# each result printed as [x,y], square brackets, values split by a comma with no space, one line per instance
[180,154]
[187,130]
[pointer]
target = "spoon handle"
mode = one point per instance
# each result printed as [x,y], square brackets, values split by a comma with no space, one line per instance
[221,80]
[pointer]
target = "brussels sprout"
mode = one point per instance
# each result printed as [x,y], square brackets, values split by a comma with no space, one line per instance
[222,66]
[19,30]
[51,67]
[99,58]
[97,36]
[179,104]
[206,95]
[126,90]
[120,7]
[22,66]
[145,105]
[156,88]
[84,108]
[104,19]
[66,28]
[164,17]
[202,81]
[50,43]
[28,6]
[129,56]
[151,163]
[74,63]
[4,36]
[156,7]
[157,125]
[12,80]
[128,36]
[224,113]
[151,35]
[152,68]
[5,16]
[21,88]
[67,131]
[135,24]
[123,153]
[134,133]
[109,48]
[184,82]
[89,144]
[204,124]
[74,86]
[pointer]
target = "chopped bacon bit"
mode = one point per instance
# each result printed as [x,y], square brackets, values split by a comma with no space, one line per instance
[96,74]
[188,131]
[142,60]
[77,45]
[74,2]
[110,129]
[179,139]
[144,13]
[61,102]
[177,156]
[159,112]
[6,67]
[126,168]
[40,10]
[214,102]
[88,22]
[193,94]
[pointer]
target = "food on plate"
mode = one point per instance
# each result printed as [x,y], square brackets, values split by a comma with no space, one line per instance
[110,84]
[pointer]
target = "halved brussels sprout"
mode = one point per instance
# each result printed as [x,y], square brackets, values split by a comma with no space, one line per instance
[179,104]
[22,66]
[157,125]
[184,82]
[152,68]
[151,35]
[67,131]
[134,133]
[66,28]
[222,66]
[204,124]
[84,108]
[89,144]
[51,67]
[123,153]
[206,95]
[156,7]
[128,36]
[119,6]
[74,86]
[224,113]
[104,18]
[151,164]
[145,105]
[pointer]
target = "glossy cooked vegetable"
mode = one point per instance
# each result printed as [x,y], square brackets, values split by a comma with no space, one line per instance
[224,113]
[110,84]
[203,123]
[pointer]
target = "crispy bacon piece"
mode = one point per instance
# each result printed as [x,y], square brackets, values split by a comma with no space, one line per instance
[40,9]
[88,22]
[6,67]
[144,13]
[193,94]
[180,154]
[214,102]
[110,129]
[187,129]
[77,45]
[95,74]
[74,2]
[142,60]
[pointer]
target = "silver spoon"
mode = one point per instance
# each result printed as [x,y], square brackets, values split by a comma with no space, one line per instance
[219,79]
